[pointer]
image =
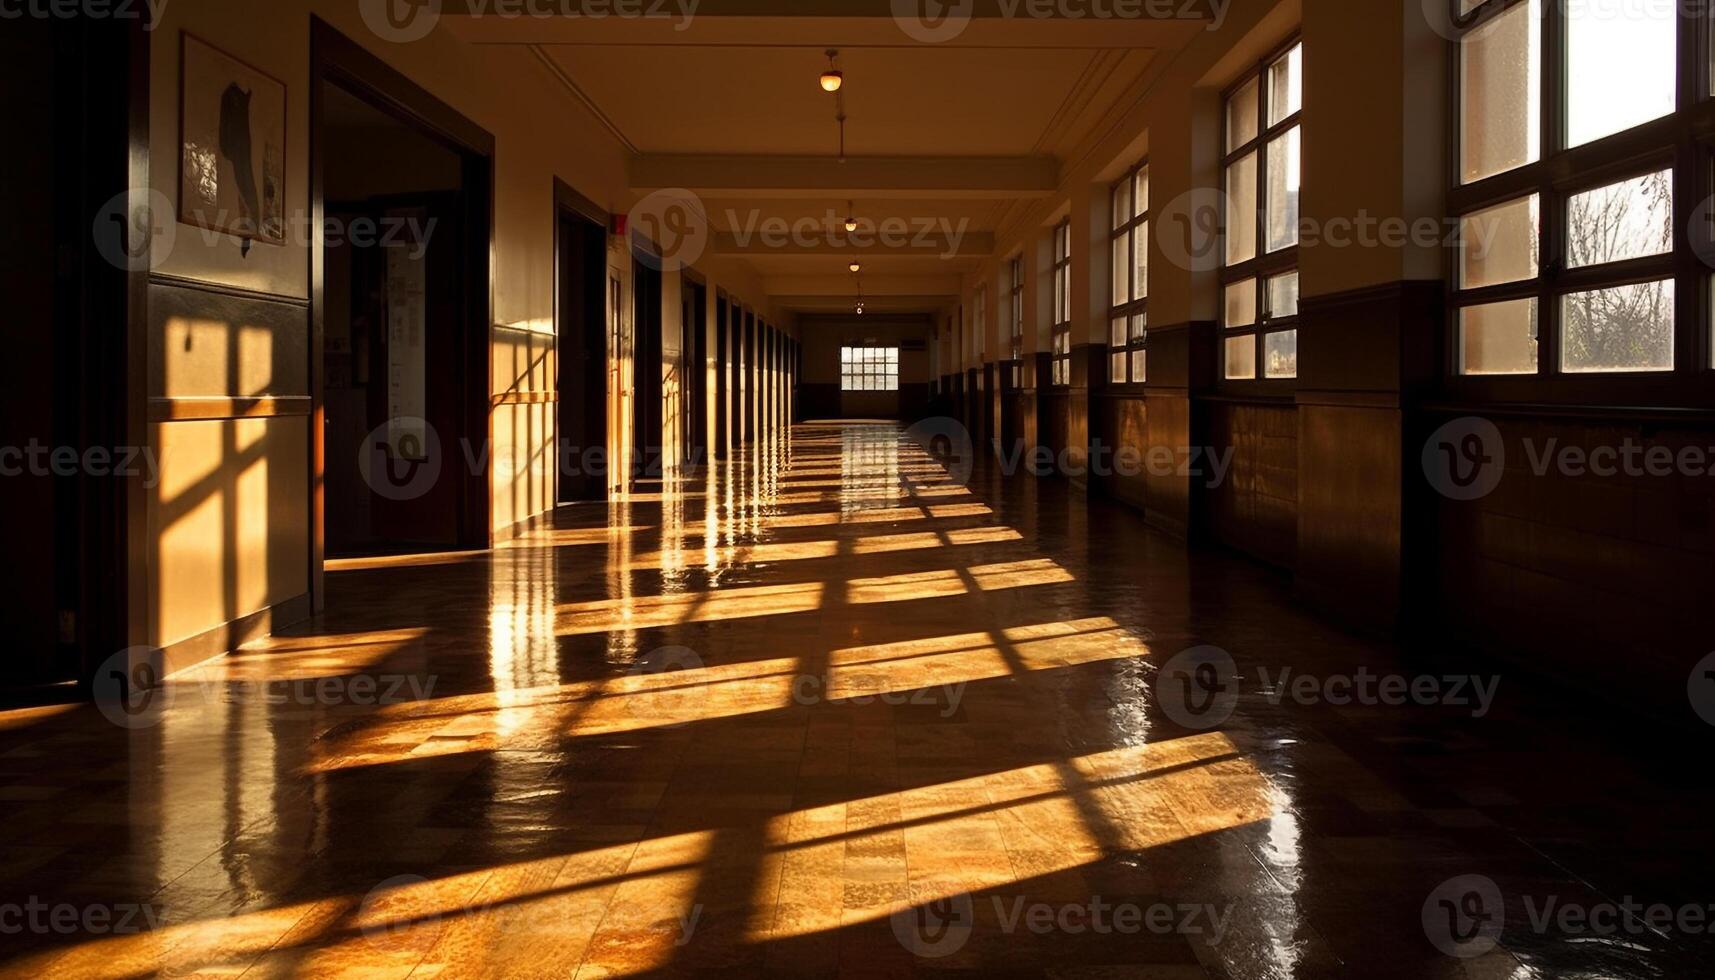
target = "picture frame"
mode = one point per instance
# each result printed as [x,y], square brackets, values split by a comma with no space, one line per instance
[232,145]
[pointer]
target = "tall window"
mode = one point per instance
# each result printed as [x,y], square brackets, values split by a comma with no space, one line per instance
[1129,244]
[1015,319]
[979,321]
[869,369]
[1061,331]
[1574,143]
[1264,170]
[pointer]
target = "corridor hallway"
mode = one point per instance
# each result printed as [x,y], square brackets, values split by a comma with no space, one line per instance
[827,711]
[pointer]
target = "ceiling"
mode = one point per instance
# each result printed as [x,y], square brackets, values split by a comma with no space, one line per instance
[945,142]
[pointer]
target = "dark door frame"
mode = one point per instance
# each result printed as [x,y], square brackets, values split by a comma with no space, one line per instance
[100,321]
[694,341]
[568,203]
[647,405]
[723,376]
[336,59]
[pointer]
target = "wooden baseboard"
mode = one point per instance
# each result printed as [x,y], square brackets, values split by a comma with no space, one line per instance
[518,529]
[227,637]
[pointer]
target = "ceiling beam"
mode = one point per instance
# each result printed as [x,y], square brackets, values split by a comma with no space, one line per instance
[824,176]
[805,286]
[894,238]
[835,23]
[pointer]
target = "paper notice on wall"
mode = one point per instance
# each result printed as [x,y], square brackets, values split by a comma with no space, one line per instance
[407,362]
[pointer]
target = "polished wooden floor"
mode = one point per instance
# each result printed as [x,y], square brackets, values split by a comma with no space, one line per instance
[824,711]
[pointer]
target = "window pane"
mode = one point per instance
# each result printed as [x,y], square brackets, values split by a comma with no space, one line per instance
[1241,209]
[1241,357]
[1117,332]
[1116,369]
[1498,338]
[1141,197]
[1626,328]
[1122,203]
[1627,220]
[1286,85]
[1140,260]
[1241,304]
[1122,269]
[1139,326]
[1283,295]
[1285,166]
[1499,244]
[1619,66]
[1059,294]
[1241,116]
[1139,362]
[1280,354]
[1500,76]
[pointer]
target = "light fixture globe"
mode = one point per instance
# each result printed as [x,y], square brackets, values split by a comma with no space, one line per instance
[851,224]
[832,79]
[857,267]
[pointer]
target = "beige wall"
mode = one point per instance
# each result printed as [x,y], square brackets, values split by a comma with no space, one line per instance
[253,474]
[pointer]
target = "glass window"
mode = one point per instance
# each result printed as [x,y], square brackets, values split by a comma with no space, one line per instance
[1620,57]
[1498,338]
[869,369]
[1264,171]
[1015,318]
[1499,244]
[1627,220]
[1567,239]
[1129,239]
[1621,328]
[1061,330]
[1500,78]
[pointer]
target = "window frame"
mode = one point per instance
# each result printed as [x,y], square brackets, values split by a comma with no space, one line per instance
[867,368]
[1131,353]
[1060,324]
[1015,294]
[1264,265]
[1681,142]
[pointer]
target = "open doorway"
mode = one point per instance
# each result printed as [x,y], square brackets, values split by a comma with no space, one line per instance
[694,385]
[75,366]
[647,420]
[401,301]
[580,250]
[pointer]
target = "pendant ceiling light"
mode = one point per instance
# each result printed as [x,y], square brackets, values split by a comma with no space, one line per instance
[833,78]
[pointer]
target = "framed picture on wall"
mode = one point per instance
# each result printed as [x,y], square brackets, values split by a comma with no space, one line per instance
[232,140]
